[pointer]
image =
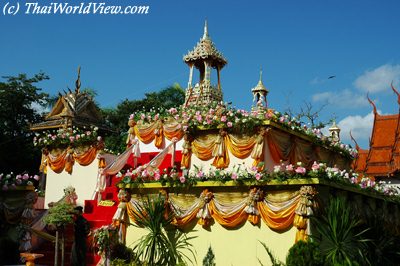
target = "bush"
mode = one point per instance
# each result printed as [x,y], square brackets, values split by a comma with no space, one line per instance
[304,253]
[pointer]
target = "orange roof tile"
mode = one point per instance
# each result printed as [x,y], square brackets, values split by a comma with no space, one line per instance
[361,161]
[383,156]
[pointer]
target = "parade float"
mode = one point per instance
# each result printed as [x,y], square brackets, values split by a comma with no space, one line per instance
[231,178]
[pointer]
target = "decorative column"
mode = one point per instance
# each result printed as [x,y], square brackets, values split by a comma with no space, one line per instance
[303,212]
[121,218]
[190,76]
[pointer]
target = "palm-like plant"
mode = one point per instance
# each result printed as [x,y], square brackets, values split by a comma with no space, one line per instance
[341,240]
[164,244]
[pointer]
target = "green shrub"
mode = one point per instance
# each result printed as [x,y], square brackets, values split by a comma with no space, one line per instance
[209,259]
[304,254]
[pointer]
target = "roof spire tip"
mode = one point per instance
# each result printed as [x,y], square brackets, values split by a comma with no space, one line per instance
[205,35]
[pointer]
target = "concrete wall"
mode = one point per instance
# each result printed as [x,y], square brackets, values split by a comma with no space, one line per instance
[83,179]
[239,247]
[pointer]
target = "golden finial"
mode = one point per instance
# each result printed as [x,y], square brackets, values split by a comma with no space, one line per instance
[78,81]
[205,35]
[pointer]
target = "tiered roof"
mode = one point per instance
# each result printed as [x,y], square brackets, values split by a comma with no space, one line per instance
[382,159]
[74,108]
[205,50]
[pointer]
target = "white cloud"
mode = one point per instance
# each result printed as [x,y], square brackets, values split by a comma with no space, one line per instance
[40,109]
[378,79]
[344,98]
[360,127]
[317,80]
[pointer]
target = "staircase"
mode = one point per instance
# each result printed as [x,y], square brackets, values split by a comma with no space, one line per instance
[98,216]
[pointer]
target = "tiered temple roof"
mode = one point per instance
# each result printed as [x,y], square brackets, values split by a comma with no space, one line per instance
[382,159]
[74,108]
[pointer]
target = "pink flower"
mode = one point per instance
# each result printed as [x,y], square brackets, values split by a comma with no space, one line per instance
[229,124]
[182,179]
[200,174]
[281,119]
[145,173]
[234,176]
[289,168]
[131,117]
[223,118]
[254,168]
[156,117]
[142,116]
[71,139]
[18,177]
[315,166]
[300,170]
[157,176]
[172,111]
[258,176]
[77,137]
[25,177]
[185,128]
[36,177]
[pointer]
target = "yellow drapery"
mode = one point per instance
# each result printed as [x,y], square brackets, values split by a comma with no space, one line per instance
[202,146]
[277,220]
[278,211]
[145,132]
[220,152]
[66,159]
[158,131]
[172,129]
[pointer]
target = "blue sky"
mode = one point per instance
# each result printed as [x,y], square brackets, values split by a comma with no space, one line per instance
[299,44]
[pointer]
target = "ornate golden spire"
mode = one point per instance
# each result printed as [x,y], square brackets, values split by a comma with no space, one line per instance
[78,81]
[260,92]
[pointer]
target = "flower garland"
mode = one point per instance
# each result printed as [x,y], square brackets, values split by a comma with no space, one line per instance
[222,115]
[69,137]
[11,181]
[256,176]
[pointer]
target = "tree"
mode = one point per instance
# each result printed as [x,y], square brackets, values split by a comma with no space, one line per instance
[117,118]
[21,104]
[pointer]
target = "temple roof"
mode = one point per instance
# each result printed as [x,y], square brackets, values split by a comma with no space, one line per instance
[383,156]
[205,50]
[260,86]
[74,108]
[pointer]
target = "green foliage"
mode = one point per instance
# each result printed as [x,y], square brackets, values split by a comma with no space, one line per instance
[384,247]
[274,261]
[20,102]
[304,254]
[105,238]
[209,259]
[162,245]
[60,214]
[122,255]
[341,240]
[117,118]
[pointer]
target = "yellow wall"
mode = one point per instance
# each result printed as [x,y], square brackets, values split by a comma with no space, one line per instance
[238,247]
